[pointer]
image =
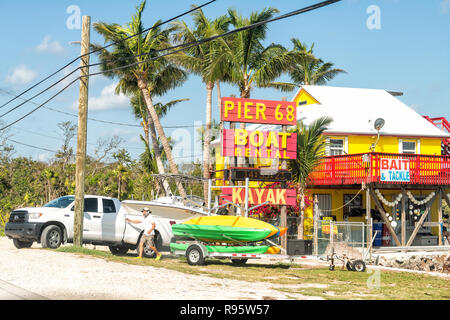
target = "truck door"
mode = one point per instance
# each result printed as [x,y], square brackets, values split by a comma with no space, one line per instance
[92,223]
[112,227]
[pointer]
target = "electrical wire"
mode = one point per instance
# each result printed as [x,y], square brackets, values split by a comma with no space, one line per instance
[184,47]
[188,45]
[38,107]
[102,121]
[104,47]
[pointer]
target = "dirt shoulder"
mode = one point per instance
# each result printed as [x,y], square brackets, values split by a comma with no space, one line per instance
[65,276]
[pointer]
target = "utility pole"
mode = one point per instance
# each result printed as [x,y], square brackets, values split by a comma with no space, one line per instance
[81,135]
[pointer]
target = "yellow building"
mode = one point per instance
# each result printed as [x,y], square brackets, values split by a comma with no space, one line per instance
[350,179]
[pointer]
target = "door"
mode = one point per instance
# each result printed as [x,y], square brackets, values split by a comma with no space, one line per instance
[111,228]
[92,223]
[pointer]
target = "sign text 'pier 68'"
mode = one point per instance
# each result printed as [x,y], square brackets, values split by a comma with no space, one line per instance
[258,111]
[258,196]
[259,144]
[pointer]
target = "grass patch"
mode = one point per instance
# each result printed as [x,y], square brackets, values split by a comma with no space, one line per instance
[295,279]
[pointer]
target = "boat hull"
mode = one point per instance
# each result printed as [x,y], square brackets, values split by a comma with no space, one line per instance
[230,249]
[214,233]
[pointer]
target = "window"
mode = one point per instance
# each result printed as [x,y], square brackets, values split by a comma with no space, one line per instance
[108,206]
[353,208]
[62,202]
[90,205]
[409,147]
[336,147]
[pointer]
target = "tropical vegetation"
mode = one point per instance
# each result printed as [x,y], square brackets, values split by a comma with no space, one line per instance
[137,61]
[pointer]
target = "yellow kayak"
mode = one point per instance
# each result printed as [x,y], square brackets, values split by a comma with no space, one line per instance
[236,222]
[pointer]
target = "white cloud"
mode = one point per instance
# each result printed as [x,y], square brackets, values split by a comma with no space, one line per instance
[43,157]
[445,6]
[20,75]
[48,46]
[107,100]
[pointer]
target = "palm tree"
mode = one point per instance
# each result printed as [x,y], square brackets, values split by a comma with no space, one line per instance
[248,62]
[197,60]
[141,112]
[140,49]
[310,70]
[310,151]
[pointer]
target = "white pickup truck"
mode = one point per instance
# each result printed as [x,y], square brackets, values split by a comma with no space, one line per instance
[104,224]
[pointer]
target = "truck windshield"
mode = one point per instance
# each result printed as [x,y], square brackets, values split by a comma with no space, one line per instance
[62,202]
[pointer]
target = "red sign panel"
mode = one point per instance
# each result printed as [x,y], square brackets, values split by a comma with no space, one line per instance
[259,144]
[259,196]
[258,111]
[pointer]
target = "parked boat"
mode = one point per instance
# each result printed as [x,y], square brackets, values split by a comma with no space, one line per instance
[226,229]
[171,207]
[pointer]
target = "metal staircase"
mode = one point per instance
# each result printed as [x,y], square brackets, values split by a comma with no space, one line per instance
[444,125]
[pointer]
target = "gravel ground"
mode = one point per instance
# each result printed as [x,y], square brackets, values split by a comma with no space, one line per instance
[65,276]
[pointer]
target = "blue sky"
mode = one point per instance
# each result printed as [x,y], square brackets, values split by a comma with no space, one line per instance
[408,52]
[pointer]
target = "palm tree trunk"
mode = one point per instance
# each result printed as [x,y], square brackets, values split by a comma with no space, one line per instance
[300,234]
[165,143]
[209,89]
[159,163]
[219,103]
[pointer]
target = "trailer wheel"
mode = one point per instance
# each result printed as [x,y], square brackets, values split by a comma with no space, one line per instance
[239,262]
[19,244]
[359,266]
[194,256]
[118,250]
[349,265]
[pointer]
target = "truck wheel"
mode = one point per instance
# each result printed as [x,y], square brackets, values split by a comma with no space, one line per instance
[239,262]
[194,256]
[19,244]
[359,266]
[118,250]
[149,253]
[51,237]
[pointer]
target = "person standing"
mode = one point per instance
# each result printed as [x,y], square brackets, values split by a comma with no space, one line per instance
[149,234]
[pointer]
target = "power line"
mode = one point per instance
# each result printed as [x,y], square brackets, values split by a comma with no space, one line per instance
[187,46]
[26,115]
[98,120]
[98,49]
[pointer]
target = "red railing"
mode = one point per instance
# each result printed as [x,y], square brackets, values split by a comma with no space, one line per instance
[444,125]
[366,167]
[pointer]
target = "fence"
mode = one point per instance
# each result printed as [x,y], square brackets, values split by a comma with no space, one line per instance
[366,168]
[343,236]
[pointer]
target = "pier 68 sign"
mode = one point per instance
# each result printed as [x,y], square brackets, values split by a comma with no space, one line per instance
[394,170]
[259,144]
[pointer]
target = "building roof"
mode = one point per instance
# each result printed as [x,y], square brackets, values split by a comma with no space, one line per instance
[354,111]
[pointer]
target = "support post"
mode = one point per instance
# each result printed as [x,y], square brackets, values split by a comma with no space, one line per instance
[422,219]
[383,215]
[368,217]
[403,218]
[283,209]
[81,135]
[440,216]
[246,196]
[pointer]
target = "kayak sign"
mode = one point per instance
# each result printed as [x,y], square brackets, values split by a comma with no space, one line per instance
[258,111]
[259,144]
[394,170]
[258,196]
